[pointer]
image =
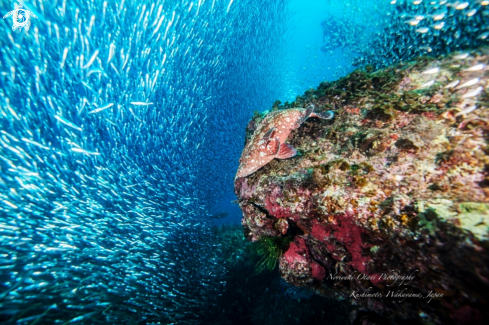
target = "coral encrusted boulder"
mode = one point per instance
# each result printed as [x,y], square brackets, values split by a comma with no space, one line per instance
[388,202]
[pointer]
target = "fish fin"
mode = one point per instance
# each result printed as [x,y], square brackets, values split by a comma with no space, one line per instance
[268,134]
[286,151]
[309,110]
[272,146]
[307,113]
[324,115]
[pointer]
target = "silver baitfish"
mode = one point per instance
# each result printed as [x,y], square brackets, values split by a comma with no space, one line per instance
[109,155]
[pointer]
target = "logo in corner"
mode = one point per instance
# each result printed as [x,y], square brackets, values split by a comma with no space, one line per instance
[20,18]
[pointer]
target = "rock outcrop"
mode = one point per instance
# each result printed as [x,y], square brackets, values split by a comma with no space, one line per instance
[388,203]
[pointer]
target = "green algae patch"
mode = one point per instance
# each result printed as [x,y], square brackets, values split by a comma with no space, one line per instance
[475,218]
[267,252]
[470,216]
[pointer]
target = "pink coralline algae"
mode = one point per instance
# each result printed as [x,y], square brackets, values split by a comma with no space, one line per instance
[273,206]
[245,190]
[299,265]
[348,235]
[387,204]
[317,271]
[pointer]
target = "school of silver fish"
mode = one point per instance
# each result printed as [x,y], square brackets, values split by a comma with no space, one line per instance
[119,124]
[105,117]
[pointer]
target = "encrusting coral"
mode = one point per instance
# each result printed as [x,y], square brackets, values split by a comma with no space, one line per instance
[395,185]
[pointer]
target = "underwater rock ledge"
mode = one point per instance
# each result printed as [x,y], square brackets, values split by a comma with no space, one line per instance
[396,185]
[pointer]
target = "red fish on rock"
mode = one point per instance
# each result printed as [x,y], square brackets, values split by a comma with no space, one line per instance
[268,140]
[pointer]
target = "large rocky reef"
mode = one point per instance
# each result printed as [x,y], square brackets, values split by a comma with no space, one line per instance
[387,204]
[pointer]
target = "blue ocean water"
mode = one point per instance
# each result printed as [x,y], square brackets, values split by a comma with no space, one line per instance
[122,123]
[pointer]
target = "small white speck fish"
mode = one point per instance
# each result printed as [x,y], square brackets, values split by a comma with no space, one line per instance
[111,52]
[68,123]
[472,12]
[86,152]
[423,30]
[467,110]
[431,71]
[477,67]
[35,143]
[461,56]
[101,108]
[428,84]
[412,22]
[10,204]
[452,84]
[79,318]
[89,63]
[439,16]
[141,103]
[95,71]
[65,53]
[469,83]
[462,5]
[473,93]
[484,35]
[438,26]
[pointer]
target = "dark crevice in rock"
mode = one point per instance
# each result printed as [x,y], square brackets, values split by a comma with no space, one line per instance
[293,230]
[262,209]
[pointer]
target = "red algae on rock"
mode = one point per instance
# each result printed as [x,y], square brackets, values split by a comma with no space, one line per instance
[388,203]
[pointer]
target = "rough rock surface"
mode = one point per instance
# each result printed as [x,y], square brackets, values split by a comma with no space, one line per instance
[396,184]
